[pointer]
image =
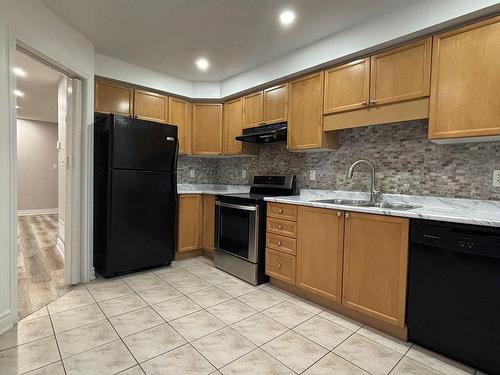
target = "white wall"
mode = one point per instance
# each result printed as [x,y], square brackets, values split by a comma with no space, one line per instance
[36,26]
[36,156]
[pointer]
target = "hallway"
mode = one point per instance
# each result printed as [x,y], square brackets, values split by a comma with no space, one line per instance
[40,265]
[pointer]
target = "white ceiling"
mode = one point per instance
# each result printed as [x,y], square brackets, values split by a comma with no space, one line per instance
[39,87]
[235,35]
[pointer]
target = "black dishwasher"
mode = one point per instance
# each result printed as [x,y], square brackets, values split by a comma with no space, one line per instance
[454,291]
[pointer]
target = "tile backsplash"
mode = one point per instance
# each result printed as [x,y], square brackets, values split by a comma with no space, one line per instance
[406,163]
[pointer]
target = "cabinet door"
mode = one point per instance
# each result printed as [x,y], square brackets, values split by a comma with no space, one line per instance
[347,86]
[375,266]
[207,129]
[179,114]
[465,100]
[233,125]
[275,104]
[111,98]
[305,112]
[150,106]
[252,110]
[209,222]
[190,222]
[320,239]
[401,73]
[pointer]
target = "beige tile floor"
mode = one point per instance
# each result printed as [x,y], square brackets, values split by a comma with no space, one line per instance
[194,319]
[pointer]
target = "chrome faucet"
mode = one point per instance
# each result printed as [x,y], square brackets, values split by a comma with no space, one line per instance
[373,193]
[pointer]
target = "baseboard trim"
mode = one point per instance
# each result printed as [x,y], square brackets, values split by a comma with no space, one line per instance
[60,245]
[37,211]
[5,321]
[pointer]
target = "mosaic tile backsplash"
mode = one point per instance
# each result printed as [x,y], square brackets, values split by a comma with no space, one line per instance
[406,163]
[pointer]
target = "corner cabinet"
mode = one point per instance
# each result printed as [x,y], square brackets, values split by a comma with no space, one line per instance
[179,114]
[320,243]
[465,100]
[190,222]
[375,266]
[305,114]
[207,129]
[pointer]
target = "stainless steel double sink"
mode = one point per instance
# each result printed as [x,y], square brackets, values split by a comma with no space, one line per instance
[363,203]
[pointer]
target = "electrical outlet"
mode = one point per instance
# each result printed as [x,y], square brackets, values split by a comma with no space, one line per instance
[496,178]
[312,175]
[243,174]
[54,166]
[191,173]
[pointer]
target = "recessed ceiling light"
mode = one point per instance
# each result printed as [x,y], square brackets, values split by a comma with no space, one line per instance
[202,63]
[17,107]
[19,72]
[287,17]
[18,93]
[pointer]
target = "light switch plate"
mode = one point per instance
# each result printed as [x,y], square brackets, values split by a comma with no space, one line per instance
[312,175]
[191,173]
[496,178]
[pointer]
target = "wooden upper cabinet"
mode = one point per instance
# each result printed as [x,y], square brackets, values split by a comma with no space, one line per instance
[465,100]
[207,129]
[150,106]
[401,73]
[252,110]
[179,114]
[347,87]
[305,114]
[375,266]
[233,125]
[111,98]
[275,104]
[190,222]
[320,241]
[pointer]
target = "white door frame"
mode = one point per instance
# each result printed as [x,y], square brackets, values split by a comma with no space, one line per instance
[76,267]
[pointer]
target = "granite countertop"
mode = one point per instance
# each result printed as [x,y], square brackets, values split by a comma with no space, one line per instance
[211,189]
[467,211]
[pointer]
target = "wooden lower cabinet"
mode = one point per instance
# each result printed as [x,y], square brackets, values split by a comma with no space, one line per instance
[375,266]
[280,265]
[320,240]
[209,223]
[190,222]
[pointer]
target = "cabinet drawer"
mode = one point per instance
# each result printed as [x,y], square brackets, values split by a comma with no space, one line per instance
[282,211]
[283,227]
[280,243]
[280,265]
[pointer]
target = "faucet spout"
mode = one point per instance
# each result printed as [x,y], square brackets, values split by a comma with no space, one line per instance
[373,192]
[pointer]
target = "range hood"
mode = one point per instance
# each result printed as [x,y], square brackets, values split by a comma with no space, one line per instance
[264,134]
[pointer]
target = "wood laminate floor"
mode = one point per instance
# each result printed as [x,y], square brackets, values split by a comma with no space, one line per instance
[40,266]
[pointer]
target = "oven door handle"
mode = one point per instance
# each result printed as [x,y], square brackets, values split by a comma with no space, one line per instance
[236,206]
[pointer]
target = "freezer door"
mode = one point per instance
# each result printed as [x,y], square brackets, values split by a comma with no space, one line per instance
[143,220]
[143,145]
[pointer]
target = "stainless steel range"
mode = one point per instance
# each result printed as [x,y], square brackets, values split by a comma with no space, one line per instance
[240,220]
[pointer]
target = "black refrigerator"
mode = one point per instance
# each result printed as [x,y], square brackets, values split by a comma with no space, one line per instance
[135,194]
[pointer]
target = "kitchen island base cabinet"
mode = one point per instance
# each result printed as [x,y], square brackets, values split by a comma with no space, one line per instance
[320,239]
[375,266]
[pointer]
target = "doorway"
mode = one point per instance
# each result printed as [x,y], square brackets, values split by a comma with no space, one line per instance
[42,94]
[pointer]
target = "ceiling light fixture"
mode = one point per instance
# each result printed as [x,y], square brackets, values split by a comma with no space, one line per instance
[18,93]
[202,63]
[19,72]
[287,17]
[17,107]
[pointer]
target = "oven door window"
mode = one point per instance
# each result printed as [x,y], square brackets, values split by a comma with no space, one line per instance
[236,232]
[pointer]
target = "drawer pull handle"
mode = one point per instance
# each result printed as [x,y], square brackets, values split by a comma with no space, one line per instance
[280,211]
[279,243]
[279,265]
[280,226]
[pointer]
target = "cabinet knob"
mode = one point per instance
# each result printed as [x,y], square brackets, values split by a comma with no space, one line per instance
[280,211]
[280,226]
[279,265]
[339,213]
[364,103]
[373,102]
[347,215]
[278,243]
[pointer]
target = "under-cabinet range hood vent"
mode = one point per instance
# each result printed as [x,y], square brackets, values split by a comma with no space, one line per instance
[264,134]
